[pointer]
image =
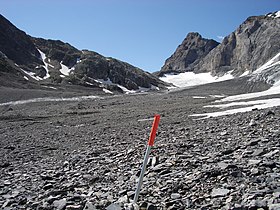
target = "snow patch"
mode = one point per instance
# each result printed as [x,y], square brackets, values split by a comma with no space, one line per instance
[65,70]
[272,62]
[258,104]
[236,100]
[107,91]
[32,75]
[43,57]
[188,79]
[48,99]
[50,87]
[245,73]
[199,97]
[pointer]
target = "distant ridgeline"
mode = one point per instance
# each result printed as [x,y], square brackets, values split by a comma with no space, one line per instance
[27,62]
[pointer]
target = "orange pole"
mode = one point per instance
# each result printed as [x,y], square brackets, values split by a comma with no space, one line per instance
[146,157]
[154,130]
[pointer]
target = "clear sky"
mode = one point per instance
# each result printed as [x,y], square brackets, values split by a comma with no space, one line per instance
[143,33]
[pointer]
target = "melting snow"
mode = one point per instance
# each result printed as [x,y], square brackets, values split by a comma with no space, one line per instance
[272,62]
[65,70]
[188,79]
[43,57]
[50,87]
[199,97]
[236,100]
[48,99]
[32,74]
[245,73]
[107,91]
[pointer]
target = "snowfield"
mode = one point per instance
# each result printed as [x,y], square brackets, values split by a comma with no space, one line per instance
[189,79]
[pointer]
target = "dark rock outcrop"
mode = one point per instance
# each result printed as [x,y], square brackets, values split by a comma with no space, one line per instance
[17,46]
[188,54]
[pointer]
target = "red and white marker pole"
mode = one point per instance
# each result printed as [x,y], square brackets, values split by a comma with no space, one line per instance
[146,158]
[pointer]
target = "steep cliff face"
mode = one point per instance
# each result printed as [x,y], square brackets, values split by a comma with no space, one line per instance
[253,43]
[188,54]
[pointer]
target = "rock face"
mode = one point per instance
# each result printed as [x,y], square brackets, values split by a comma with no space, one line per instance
[49,61]
[250,46]
[188,54]
[17,46]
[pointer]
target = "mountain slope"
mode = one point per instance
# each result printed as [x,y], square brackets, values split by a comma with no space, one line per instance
[17,46]
[253,43]
[41,61]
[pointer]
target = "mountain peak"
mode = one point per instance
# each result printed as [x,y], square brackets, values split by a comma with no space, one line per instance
[187,54]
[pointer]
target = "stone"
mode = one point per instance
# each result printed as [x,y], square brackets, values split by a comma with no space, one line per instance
[253,162]
[223,165]
[89,206]
[252,122]
[48,186]
[254,171]
[219,192]
[258,152]
[59,204]
[113,207]
[274,206]
[175,196]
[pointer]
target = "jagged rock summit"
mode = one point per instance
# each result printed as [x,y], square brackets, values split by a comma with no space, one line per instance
[26,61]
[188,54]
[253,44]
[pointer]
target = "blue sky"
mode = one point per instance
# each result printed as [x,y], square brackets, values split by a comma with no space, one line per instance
[143,33]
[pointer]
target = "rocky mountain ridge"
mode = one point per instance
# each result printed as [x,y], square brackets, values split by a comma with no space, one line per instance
[250,46]
[39,61]
[188,54]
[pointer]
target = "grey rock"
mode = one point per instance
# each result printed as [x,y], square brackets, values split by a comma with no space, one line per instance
[113,207]
[89,206]
[217,192]
[253,162]
[274,206]
[223,165]
[175,196]
[258,152]
[60,204]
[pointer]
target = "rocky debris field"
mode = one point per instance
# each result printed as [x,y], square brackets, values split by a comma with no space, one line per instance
[87,155]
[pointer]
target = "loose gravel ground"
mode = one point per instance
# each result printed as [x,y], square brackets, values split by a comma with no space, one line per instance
[88,154]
